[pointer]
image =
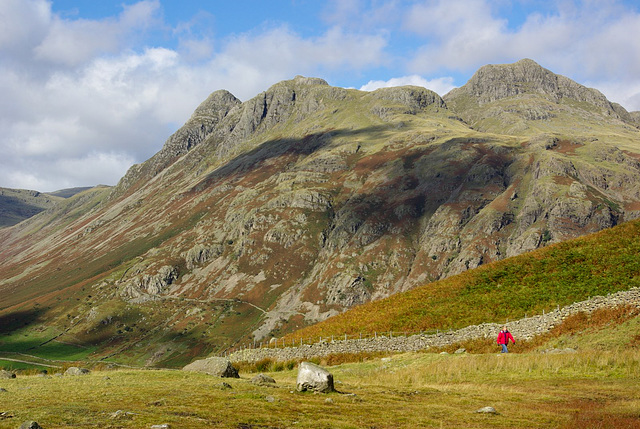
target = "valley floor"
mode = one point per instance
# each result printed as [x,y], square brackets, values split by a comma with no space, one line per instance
[577,390]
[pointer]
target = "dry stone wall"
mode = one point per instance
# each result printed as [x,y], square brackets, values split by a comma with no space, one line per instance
[522,329]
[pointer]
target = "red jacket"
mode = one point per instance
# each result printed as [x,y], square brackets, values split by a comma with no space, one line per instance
[504,337]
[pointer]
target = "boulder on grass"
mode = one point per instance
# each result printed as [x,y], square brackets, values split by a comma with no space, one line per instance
[315,378]
[263,380]
[217,366]
[487,410]
[30,425]
[6,374]
[74,370]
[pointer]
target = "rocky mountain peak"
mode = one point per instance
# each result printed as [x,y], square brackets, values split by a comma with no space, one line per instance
[414,97]
[310,81]
[525,98]
[216,106]
[526,78]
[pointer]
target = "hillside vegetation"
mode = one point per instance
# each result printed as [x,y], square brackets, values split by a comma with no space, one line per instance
[257,218]
[558,275]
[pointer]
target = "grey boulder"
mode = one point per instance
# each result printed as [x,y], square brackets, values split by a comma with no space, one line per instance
[216,366]
[6,374]
[315,378]
[487,410]
[30,425]
[74,370]
[263,380]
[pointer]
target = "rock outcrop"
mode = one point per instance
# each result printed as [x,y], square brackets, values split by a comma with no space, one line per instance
[518,97]
[263,380]
[75,371]
[216,366]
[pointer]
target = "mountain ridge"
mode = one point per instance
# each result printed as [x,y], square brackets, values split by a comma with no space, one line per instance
[17,205]
[522,83]
[261,216]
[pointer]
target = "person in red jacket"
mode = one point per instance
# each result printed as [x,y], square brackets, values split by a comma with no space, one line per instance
[503,339]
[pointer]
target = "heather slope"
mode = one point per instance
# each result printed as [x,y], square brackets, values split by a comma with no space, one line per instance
[558,275]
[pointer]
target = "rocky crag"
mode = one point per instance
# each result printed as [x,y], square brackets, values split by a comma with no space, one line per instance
[259,217]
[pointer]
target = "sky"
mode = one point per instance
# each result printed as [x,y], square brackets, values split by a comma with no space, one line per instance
[89,88]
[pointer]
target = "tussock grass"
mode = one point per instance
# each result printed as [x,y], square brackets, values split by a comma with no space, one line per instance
[273,365]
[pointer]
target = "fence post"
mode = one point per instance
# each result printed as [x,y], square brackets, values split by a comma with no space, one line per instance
[375,334]
[345,337]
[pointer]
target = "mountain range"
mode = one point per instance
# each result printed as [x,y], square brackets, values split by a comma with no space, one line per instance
[260,217]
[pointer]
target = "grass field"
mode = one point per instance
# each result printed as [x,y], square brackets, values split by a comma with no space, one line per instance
[577,390]
[593,387]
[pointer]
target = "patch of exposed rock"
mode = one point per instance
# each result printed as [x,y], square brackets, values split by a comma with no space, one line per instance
[216,366]
[147,287]
[75,371]
[263,380]
[495,82]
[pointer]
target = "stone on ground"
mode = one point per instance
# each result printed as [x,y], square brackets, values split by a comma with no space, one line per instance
[217,366]
[487,410]
[74,370]
[315,378]
[263,380]
[6,374]
[30,425]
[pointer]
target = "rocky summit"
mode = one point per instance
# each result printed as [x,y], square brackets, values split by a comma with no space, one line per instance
[259,217]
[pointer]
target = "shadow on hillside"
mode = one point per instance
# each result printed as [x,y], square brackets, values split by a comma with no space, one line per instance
[13,321]
[255,159]
[14,211]
[414,180]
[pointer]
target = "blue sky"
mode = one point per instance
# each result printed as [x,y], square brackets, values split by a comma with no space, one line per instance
[91,87]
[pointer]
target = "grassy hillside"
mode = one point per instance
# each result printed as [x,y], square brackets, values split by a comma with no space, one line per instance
[17,205]
[528,284]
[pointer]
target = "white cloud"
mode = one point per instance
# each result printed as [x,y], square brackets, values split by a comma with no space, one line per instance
[587,41]
[23,23]
[440,85]
[50,174]
[626,93]
[90,98]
